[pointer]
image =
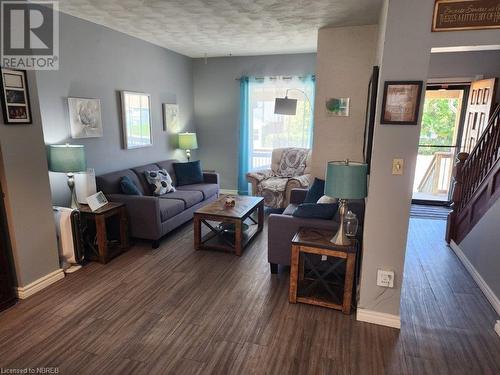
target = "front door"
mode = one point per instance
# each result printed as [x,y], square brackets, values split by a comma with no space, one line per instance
[440,137]
[479,107]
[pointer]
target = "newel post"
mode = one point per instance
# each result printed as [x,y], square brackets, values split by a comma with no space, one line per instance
[456,195]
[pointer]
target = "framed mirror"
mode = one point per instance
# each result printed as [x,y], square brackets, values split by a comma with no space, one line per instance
[136,119]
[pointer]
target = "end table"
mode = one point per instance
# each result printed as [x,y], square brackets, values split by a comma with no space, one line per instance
[97,228]
[322,273]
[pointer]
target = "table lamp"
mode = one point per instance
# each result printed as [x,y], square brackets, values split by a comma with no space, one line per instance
[68,159]
[188,142]
[345,180]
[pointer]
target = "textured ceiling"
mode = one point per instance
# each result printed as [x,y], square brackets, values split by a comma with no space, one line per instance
[222,27]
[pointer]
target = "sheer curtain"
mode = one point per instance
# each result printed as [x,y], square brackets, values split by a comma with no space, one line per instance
[261,130]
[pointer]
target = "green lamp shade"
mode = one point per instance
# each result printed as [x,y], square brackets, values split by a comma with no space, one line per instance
[187,141]
[67,158]
[346,180]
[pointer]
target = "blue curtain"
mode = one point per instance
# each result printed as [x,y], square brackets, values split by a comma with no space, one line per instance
[311,83]
[244,160]
[305,83]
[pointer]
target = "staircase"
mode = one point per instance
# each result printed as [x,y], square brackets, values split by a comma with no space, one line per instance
[476,184]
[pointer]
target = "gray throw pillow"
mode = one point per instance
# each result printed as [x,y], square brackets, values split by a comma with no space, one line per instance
[159,181]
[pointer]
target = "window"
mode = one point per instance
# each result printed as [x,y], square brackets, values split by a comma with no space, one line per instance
[269,131]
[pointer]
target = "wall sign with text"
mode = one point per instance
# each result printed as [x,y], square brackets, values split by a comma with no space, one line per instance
[454,15]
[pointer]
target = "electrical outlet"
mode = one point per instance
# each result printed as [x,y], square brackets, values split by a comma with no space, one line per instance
[385,278]
[398,166]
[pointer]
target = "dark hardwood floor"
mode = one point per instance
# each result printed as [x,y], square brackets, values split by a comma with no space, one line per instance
[176,311]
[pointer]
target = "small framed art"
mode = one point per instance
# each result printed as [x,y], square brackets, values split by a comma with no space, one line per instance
[96,201]
[170,117]
[401,102]
[338,106]
[15,97]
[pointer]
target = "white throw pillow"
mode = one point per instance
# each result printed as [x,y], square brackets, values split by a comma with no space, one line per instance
[327,199]
[160,181]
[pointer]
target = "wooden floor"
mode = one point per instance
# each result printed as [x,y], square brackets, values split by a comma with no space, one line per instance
[176,311]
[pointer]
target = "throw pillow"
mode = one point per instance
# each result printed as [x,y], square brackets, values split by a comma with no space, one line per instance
[293,162]
[327,199]
[316,191]
[188,173]
[316,211]
[129,187]
[159,181]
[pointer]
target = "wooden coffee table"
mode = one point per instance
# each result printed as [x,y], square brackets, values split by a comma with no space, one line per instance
[231,228]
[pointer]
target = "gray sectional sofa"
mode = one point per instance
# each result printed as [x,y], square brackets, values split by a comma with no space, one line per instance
[282,227]
[151,217]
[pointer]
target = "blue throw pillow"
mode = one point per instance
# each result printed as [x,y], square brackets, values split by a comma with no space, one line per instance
[316,210]
[316,191]
[128,186]
[188,173]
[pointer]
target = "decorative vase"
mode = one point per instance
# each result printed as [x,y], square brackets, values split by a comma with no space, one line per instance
[351,224]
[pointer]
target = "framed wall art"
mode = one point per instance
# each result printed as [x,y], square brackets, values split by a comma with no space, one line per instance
[458,15]
[338,106]
[170,117]
[401,102]
[136,117]
[85,117]
[15,97]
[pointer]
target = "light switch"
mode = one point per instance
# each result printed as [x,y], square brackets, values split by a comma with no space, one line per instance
[398,166]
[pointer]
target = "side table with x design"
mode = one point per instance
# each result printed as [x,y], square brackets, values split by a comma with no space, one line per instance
[322,273]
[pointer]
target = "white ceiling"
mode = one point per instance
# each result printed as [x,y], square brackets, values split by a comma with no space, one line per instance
[222,27]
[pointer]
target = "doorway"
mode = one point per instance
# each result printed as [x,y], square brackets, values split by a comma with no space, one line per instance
[440,138]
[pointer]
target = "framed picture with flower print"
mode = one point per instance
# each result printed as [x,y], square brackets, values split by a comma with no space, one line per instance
[401,102]
[15,97]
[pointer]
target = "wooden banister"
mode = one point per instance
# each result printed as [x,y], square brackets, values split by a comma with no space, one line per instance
[476,181]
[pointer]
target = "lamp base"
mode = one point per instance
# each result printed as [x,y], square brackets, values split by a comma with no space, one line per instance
[71,184]
[340,237]
[188,155]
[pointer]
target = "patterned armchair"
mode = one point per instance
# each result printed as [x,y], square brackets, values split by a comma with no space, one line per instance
[290,169]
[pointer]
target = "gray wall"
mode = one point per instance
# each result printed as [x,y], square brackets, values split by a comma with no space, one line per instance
[464,64]
[97,62]
[217,104]
[482,247]
[23,174]
[345,61]
[404,55]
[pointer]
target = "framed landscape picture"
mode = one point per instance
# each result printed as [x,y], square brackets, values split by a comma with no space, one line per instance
[401,102]
[15,97]
[136,118]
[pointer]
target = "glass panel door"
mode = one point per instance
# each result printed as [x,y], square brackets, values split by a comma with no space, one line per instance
[439,142]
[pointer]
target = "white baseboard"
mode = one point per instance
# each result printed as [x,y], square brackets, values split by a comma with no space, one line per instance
[379,318]
[497,327]
[228,191]
[488,293]
[37,285]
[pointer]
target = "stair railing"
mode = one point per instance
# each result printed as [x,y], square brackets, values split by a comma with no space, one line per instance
[470,174]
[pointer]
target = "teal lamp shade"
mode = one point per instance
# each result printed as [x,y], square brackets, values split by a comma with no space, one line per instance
[67,158]
[188,141]
[346,180]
